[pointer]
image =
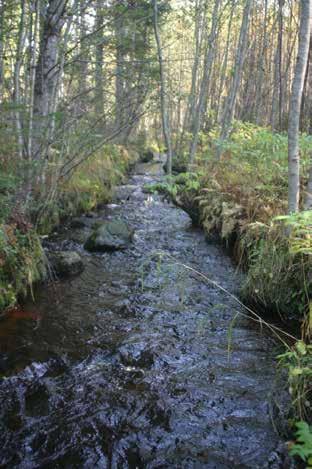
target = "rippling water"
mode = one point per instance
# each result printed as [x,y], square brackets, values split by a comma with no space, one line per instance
[131,364]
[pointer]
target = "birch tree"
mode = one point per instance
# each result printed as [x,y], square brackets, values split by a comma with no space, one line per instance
[47,78]
[2,9]
[295,107]
[163,91]
[99,51]
[230,105]
[205,83]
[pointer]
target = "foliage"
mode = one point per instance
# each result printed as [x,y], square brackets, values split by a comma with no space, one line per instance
[277,279]
[174,185]
[91,183]
[165,188]
[303,445]
[253,167]
[300,235]
[243,196]
[298,362]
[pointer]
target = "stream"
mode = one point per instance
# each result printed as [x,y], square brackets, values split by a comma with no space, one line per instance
[138,362]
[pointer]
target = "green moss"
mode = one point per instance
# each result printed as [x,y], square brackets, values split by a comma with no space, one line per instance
[21,262]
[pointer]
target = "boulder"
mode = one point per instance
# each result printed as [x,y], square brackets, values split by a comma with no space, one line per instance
[81,222]
[147,156]
[110,236]
[124,192]
[65,263]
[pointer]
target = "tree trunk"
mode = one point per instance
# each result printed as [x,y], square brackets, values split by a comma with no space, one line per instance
[205,84]
[47,77]
[99,50]
[230,105]
[163,93]
[120,73]
[17,69]
[32,80]
[225,62]
[191,104]
[2,5]
[295,107]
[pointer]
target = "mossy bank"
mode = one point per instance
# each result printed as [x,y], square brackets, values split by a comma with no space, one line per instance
[22,259]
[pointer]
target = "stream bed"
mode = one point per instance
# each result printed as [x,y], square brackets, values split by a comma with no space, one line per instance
[138,362]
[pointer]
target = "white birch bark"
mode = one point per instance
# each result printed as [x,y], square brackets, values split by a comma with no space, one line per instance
[17,69]
[163,92]
[230,105]
[46,78]
[295,107]
[205,84]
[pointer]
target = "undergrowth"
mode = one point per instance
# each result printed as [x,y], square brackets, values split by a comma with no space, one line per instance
[303,445]
[92,183]
[21,255]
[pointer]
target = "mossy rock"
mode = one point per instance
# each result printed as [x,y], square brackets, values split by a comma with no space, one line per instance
[66,263]
[110,236]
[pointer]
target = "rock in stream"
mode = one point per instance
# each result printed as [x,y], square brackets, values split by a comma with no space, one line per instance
[112,235]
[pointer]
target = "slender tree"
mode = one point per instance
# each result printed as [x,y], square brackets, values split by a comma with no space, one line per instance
[205,84]
[230,105]
[295,106]
[45,91]
[163,91]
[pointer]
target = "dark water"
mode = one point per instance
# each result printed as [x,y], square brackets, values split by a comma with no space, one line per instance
[137,363]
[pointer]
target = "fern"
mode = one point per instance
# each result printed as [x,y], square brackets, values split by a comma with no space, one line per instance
[303,445]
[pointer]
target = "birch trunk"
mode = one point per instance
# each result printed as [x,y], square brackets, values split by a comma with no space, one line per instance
[2,5]
[99,50]
[17,69]
[33,55]
[205,84]
[295,107]
[190,109]
[225,62]
[163,92]
[47,78]
[120,73]
[230,105]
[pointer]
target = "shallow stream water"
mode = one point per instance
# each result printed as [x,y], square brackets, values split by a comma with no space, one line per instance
[137,363]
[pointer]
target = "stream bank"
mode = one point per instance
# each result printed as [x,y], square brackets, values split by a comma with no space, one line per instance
[131,363]
[22,260]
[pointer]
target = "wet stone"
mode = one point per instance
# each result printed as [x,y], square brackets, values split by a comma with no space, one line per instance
[66,263]
[110,236]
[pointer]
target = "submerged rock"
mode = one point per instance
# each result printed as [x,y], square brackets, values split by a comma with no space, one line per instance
[66,263]
[110,236]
